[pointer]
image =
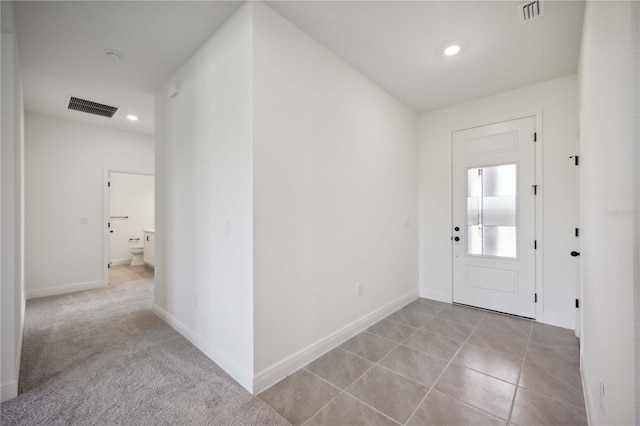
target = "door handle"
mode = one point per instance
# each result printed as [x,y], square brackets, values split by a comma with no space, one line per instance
[575,254]
[457,238]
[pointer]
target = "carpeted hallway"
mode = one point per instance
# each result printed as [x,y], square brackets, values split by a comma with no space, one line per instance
[103,357]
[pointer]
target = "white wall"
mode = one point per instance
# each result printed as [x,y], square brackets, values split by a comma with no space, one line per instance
[11,209]
[557,137]
[131,195]
[204,220]
[64,195]
[606,209]
[335,198]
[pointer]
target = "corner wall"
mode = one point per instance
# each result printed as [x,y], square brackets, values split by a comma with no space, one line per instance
[557,100]
[65,164]
[607,214]
[335,199]
[204,186]
[11,208]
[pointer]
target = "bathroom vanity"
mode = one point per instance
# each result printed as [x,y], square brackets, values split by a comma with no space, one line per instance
[149,255]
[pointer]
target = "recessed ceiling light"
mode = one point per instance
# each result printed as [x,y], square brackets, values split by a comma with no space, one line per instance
[454,49]
[132,117]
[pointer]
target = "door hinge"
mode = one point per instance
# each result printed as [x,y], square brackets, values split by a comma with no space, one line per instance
[535,298]
[535,244]
[108,224]
[576,159]
[577,303]
[577,232]
[109,184]
[535,136]
[109,265]
[535,189]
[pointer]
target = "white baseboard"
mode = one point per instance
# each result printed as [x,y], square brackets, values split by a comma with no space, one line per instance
[240,375]
[118,262]
[63,289]
[9,390]
[439,295]
[278,371]
[588,401]
[559,320]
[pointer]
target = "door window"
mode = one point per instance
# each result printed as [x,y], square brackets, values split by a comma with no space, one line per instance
[491,211]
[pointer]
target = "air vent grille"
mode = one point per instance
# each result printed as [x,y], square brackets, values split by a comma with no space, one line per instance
[530,10]
[90,107]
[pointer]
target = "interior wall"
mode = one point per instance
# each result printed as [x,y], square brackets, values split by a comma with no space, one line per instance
[133,196]
[204,220]
[606,210]
[11,208]
[65,168]
[557,100]
[335,198]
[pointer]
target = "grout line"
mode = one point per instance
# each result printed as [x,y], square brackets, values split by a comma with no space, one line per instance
[374,364]
[441,374]
[515,394]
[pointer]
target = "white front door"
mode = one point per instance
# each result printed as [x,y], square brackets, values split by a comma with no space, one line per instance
[494,217]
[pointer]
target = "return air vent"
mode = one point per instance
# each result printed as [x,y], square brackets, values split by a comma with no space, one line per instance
[530,10]
[90,107]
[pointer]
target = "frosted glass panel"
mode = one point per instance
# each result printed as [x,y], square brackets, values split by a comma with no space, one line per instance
[491,210]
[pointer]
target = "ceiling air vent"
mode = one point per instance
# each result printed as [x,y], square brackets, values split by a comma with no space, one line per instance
[89,107]
[530,10]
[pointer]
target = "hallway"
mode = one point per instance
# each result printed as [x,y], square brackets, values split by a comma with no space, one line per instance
[103,357]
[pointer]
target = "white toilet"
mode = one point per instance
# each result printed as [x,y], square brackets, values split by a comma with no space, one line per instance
[136,250]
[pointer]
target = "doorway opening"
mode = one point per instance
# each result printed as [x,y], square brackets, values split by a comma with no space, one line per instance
[130,226]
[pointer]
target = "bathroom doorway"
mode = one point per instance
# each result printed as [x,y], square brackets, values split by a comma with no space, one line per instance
[130,224]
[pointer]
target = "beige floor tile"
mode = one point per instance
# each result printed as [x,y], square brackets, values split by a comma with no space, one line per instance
[479,390]
[416,365]
[551,358]
[564,385]
[425,307]
[462,315]
[433,344]
[345,410]
[439,409]
[339,367]
[369,346]
[450,329]
[513,347]
[391,330]
[408,317]
[555,337]
[531,408]
[489,362]
[299,396]
[502,324]
[388,392]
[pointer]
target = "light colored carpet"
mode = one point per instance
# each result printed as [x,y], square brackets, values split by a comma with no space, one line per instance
[103,357]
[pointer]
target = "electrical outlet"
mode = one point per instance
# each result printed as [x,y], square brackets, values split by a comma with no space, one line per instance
[602,396]
[358,289]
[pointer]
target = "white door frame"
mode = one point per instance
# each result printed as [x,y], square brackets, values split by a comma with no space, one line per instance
[106,242]
[539,181]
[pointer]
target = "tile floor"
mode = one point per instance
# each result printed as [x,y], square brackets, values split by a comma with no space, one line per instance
[123,273]
[436,363]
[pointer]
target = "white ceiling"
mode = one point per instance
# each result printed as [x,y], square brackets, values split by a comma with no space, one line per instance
[62,44]
[396,44]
